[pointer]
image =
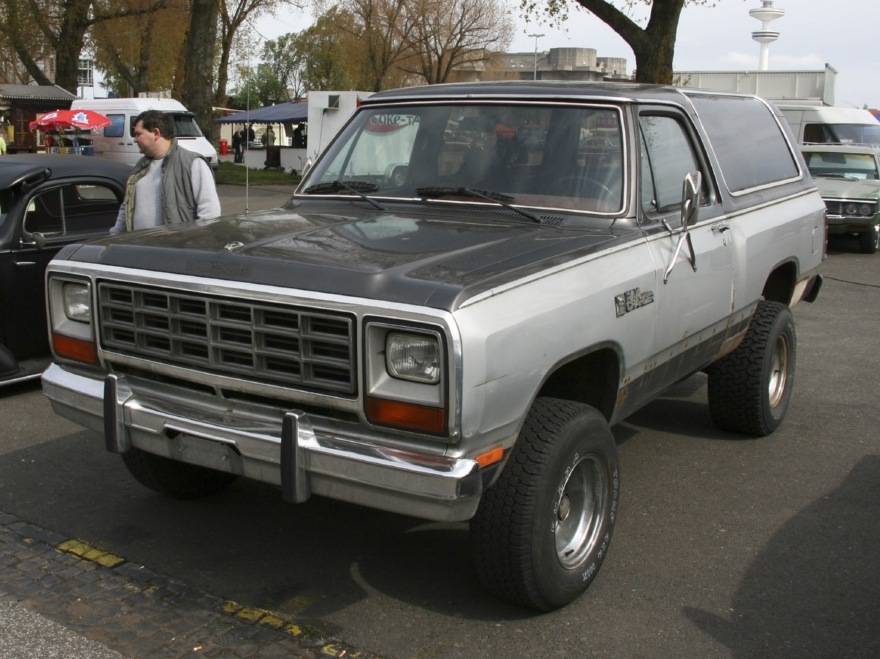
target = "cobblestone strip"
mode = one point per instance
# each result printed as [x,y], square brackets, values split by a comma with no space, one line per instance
[137,612]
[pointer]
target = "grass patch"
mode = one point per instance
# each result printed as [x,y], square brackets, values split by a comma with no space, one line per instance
[231,174]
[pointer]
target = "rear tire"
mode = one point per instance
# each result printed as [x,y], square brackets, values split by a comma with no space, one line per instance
[542,531]
[750,389]
[172,478]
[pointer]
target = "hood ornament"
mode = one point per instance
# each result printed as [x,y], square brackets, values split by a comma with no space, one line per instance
[231,247]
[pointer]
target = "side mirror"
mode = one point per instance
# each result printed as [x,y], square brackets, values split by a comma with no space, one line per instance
[690,198]
[35,238]
[690,203]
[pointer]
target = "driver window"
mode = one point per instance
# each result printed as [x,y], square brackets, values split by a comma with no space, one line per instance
[667,157]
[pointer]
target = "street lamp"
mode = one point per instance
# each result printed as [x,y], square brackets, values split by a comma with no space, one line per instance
[535,69]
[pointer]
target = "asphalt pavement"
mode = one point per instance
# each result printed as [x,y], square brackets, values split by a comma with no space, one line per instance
[726,546]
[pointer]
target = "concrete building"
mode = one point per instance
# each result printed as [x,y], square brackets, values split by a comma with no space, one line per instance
[555,64]
[565,64]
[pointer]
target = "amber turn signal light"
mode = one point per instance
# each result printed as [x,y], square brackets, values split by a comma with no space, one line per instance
[81,351]
[406,416]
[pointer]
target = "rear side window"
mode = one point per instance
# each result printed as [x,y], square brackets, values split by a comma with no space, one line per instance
[747,140]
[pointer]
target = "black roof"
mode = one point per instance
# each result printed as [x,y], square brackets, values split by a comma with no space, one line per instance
[14,168]
[35,93]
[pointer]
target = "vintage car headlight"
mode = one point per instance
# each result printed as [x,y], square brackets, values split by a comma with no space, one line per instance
[413,357]
[866,210]
[77,301]
[850,208]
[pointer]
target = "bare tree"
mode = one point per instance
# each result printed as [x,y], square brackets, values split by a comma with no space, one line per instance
[384,27]
[233,15]
[653,45]
[446,36]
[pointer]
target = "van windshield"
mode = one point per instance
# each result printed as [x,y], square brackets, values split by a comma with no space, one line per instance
[821,133]
[185,125]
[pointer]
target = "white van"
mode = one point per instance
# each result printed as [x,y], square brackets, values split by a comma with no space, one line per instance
[820,124]
[116,141]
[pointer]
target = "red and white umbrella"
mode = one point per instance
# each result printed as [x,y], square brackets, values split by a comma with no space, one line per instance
[63,119]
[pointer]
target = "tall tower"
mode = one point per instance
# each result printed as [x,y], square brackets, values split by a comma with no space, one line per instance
[765,36]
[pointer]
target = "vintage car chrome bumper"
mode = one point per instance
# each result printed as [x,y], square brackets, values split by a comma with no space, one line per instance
[300,456]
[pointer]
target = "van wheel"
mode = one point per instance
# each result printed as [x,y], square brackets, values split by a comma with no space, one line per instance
[172,478]
[869,241]
[542,531]
[750,389]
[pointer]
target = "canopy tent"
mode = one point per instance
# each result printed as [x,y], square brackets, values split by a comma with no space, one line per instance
[281,113]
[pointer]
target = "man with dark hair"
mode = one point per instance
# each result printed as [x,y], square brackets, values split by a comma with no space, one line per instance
[169,184]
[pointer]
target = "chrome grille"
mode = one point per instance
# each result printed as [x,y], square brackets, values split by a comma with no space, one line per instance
[253,340]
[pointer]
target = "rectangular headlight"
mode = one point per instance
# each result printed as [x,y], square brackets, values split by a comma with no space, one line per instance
[70,318]
[76,299]
[413,357]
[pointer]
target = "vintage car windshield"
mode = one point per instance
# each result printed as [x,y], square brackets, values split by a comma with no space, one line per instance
[836,164]
[552,156]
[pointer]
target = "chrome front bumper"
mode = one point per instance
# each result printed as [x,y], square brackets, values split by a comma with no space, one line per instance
[300,456]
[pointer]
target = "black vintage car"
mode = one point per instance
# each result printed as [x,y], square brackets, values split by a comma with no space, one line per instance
[46,202]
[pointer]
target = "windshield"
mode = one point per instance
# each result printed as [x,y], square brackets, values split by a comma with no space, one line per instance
[185,125]
[827,164]
[555,156]
[842,133]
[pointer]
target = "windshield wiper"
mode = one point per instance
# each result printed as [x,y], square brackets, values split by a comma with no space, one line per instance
[356,187]
[501,199]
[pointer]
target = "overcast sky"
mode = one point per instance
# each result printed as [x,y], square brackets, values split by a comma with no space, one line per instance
[812,33]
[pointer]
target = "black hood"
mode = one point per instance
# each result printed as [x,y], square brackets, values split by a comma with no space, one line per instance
[426,256]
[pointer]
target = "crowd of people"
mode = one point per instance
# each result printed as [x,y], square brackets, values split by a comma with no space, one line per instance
[246,137]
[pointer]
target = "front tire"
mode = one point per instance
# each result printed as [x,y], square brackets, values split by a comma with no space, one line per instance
[869,241]
[172,478]
[750,389]
[542,531]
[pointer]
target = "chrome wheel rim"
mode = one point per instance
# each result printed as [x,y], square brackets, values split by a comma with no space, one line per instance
[579,511]
[778,380]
